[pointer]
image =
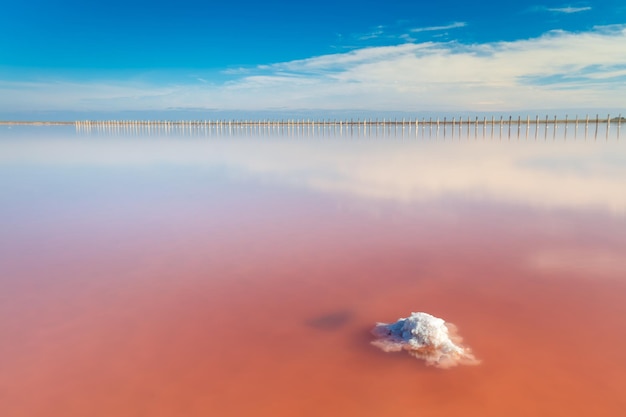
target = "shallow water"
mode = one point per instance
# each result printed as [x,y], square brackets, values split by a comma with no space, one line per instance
[240,274]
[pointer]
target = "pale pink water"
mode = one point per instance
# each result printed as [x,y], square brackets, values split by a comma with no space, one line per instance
[183,292]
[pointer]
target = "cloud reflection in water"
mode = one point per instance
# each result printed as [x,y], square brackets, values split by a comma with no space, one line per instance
[552,174]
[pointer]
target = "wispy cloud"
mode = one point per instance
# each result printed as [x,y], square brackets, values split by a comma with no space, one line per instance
[563,9]
[374,34]
[392,34]
[557,70]
[454,25]
[568,9]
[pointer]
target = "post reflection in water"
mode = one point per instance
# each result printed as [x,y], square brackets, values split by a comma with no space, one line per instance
[238,270]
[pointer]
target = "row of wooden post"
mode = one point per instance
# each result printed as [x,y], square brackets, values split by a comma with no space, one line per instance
[324,127]
[365,122]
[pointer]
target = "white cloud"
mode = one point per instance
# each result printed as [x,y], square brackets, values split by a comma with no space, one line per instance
[454,25]
[568,9]
[376,33]
[557,70]
[563,9]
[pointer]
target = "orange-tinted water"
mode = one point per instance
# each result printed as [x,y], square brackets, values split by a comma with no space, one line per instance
[196,294]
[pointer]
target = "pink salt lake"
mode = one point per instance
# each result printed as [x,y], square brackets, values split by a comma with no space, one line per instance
[237,276]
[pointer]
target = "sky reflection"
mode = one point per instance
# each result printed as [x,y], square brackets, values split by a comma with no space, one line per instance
[550,173]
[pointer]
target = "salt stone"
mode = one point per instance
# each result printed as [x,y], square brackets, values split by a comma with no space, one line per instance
[425,337]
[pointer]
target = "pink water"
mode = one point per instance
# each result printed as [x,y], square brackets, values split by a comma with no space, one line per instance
[186,291]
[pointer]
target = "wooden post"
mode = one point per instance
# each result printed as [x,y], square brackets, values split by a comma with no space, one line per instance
[476,127]
[510,118]
[536,122]
[527,125]
[484,126]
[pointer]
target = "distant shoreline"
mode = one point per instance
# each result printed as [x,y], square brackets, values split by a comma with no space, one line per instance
[12,123]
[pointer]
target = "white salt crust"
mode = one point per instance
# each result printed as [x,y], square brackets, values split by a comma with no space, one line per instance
[426,337]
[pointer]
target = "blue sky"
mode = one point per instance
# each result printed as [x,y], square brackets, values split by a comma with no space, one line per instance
[72,55]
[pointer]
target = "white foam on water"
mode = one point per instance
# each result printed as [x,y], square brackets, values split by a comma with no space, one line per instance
[426,337]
